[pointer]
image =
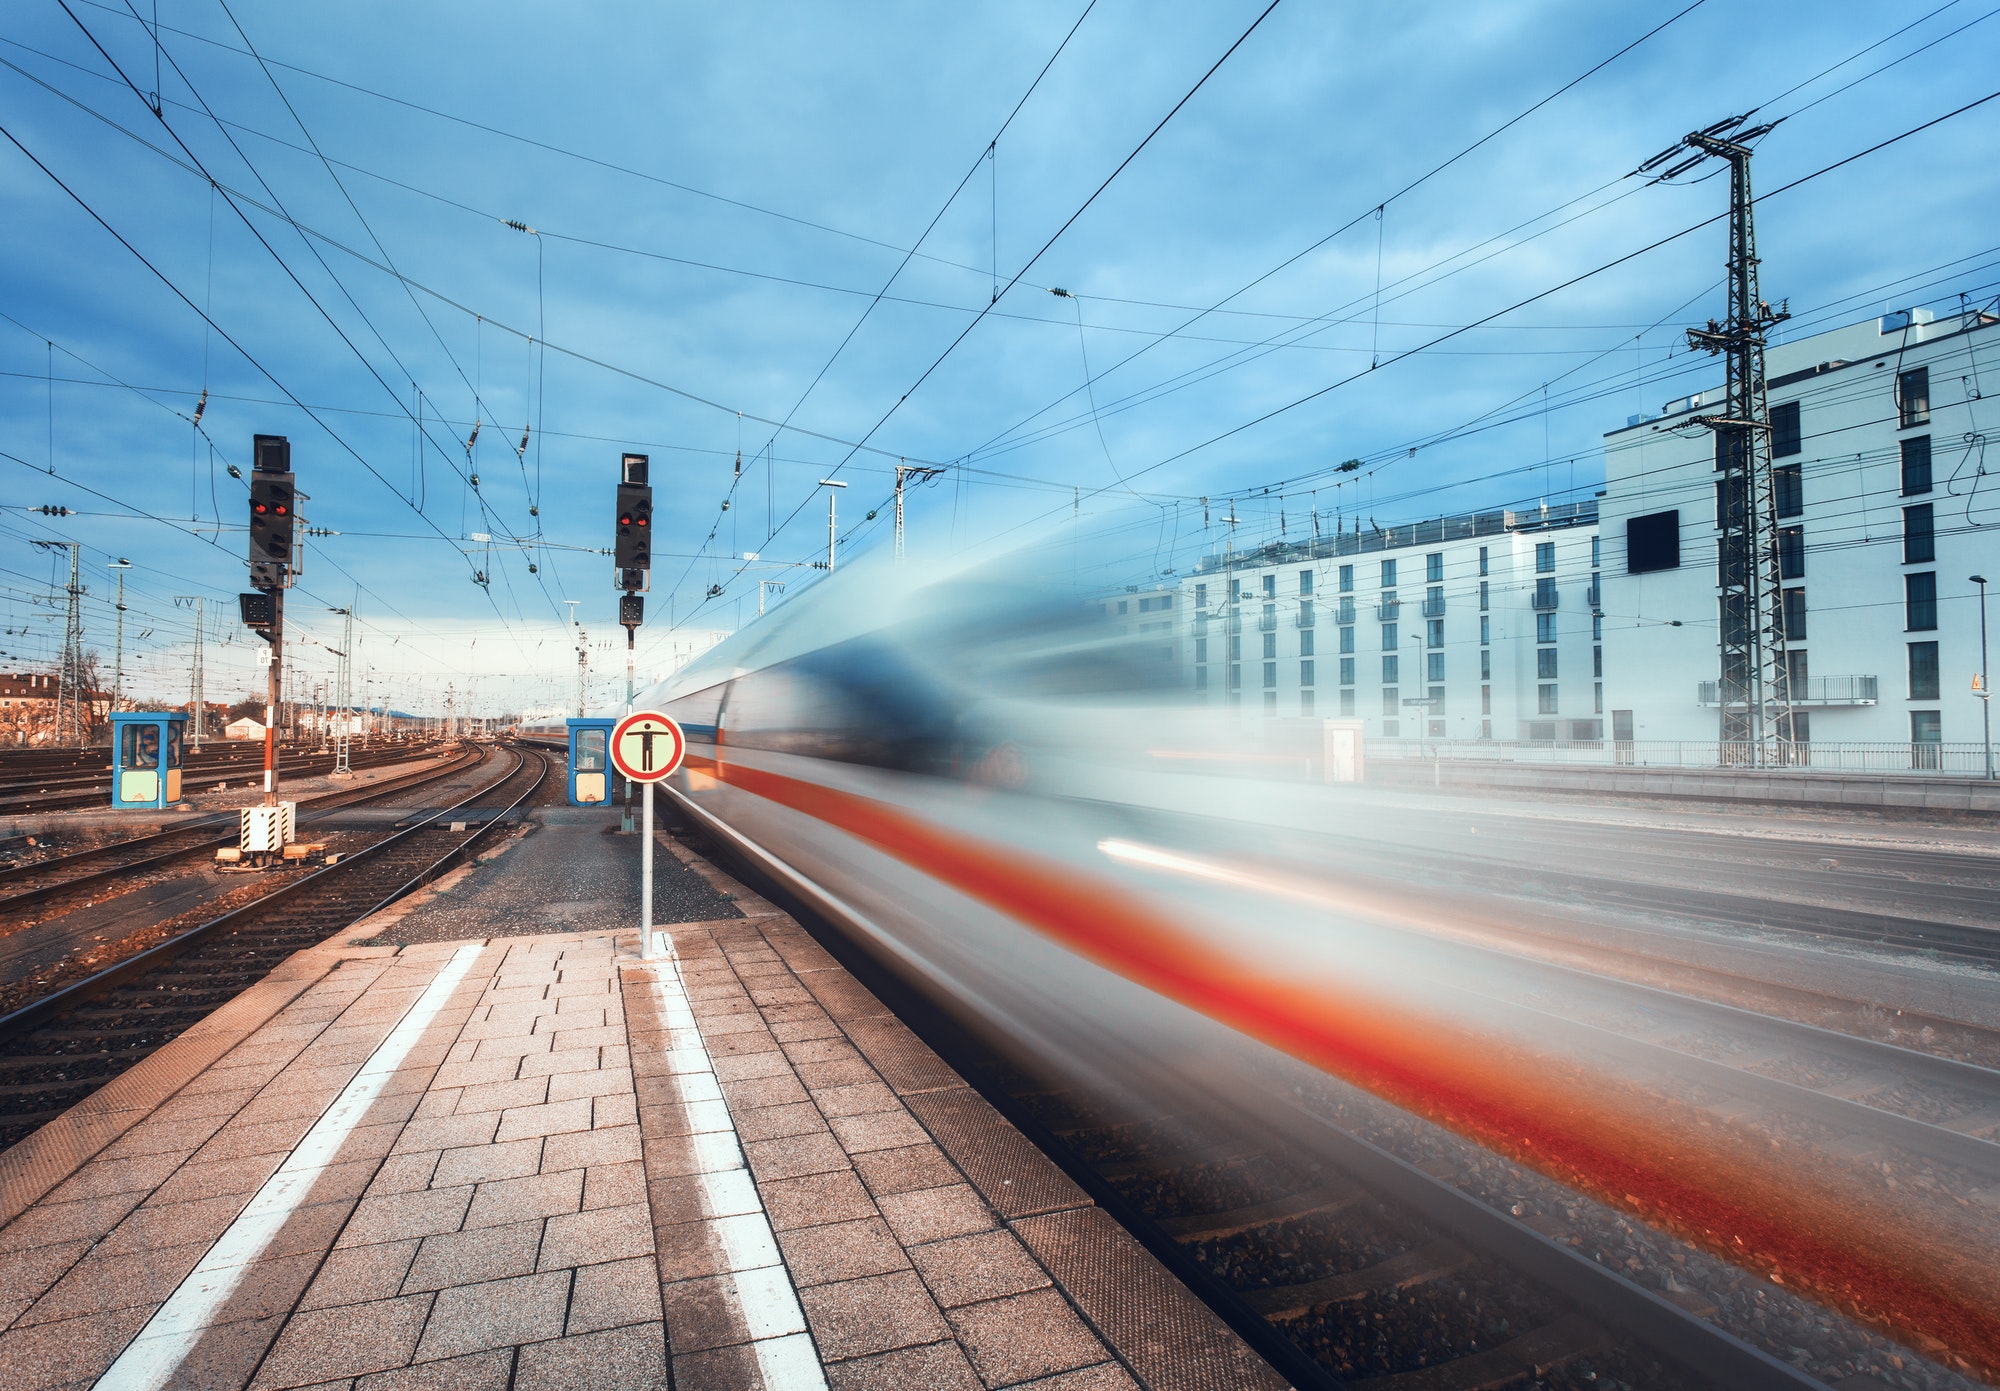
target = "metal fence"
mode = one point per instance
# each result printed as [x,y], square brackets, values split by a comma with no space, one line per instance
[1950,760]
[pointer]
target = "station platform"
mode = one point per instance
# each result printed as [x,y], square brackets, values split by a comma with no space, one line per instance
[536,1161]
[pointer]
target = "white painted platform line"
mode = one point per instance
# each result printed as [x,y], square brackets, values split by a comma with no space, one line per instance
[769,1305]
[151,1359]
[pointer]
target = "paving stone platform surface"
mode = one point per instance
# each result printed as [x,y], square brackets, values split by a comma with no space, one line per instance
[538,1161]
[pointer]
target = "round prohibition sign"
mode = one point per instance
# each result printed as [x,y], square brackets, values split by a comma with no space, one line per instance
[646,746]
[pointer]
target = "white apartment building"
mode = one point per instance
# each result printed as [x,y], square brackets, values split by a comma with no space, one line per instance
[1477,626]
[1887,505]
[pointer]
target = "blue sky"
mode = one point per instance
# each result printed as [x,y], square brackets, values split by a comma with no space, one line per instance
[728,190]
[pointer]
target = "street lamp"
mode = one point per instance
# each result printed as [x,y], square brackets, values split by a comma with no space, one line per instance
[1985,679]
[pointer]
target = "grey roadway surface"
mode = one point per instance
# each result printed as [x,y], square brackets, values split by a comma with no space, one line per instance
[565,875]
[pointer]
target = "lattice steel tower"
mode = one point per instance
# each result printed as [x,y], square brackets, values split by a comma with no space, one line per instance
[1754,695]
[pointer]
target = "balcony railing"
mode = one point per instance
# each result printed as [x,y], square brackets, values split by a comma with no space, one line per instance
[1814,690]
[1433,608]
[1267,623]
[1307,616]
[1388,612]
[1544,600]
[1345,614]
[1595,598]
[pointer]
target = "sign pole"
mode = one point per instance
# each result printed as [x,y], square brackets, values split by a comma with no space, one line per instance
[646,746]
[646,948]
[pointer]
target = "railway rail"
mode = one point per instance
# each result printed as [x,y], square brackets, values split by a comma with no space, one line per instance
[24,885]
[57,1050]
[88,783]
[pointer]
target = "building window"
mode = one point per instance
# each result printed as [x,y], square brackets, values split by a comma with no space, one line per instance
[1436,666]
[1434,567]
[1347,579]
[1916,465]
[1434,633]
[1788,483]
[1235,677]
[1388,637]
[1270,702]
[1545,592]
[1785,429]
[1270,645]
[1923,671]
[1270,676]
[1391,670]
[1484,597]
[1434,601]
[1270,586]
[1545,557]
[1305,581]
[1791,553]
[1346,639]
[1485,700]
[1597,662]
[1919,535]
[1345,613]
[1201,678]
[1597,627]
[1795,668]
[1391,701]
[1486,664]
[1121,606]
[1545,700]
[1486,729]
[1200,650]
[1347,673]
[1306,703]
[1306,643]
[1545,663]
[1483,561]
[1347,703]
[1545,627]
[1913,397]
[1920,602]
[1307,618]
[1596,552]
[1388,574]
[1236,649]
[1305,673]
[1925,727]
[1597,696]
[1795,615]
[1485,630]
[1201,596]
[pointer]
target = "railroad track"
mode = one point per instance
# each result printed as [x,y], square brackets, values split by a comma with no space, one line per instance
[1872,897]
[58,1050]
[92,786]
[24,885]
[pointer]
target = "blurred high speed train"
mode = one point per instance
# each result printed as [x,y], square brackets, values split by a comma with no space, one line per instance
[1018,811]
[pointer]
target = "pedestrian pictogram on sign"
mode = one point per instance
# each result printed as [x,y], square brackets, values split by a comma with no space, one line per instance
[646,746]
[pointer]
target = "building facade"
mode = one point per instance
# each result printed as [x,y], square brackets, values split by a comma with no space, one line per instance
[1477,626]
[1886,506]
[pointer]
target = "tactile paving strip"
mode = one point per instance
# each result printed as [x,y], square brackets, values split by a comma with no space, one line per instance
[1007,1169]
[1170,1339]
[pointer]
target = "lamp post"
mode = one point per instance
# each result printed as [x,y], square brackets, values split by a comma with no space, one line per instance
[1985,678]
[830,484]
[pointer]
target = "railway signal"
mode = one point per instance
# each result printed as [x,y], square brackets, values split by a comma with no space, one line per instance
[634,551]
[273,531]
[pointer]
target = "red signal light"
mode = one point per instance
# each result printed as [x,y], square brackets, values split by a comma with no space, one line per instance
[259,508]
[642,521]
